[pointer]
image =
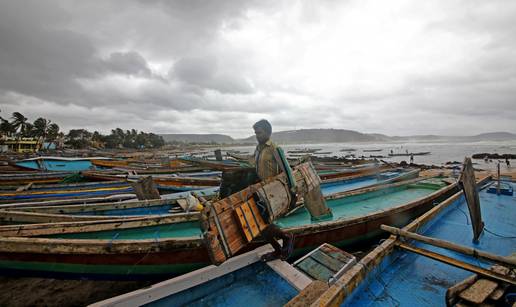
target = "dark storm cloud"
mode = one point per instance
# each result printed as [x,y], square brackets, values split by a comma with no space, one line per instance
[205,72]
[130,63]
[206,66]
[37,59]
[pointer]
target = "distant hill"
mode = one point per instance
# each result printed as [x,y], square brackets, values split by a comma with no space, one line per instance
[494,136]
[311,136]
[198,138]
[320,136]
[491,136]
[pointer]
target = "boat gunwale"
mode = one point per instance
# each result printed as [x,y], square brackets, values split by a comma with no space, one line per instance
[95,225]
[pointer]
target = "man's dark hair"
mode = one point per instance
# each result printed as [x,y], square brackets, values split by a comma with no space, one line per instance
[264,124]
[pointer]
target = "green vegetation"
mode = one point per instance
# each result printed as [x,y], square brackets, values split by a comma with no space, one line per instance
[46,131]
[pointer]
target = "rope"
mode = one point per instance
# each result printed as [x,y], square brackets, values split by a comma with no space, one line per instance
[498,235]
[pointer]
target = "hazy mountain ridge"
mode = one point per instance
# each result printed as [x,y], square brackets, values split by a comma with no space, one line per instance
[197,138]
[313,136]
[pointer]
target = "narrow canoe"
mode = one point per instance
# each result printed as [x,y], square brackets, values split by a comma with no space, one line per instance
[23,178]
[48,192]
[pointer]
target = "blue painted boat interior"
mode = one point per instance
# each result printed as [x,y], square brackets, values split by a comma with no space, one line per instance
[407,279]
[253,286]
[161,209]
[57,165]
[356,183]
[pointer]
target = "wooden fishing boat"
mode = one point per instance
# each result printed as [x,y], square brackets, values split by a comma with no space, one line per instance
[7,166]
[405,154]
[366,179]
[176,248]
[213,164]
[242,280]
[329,173]
[81,190]
[113,209]
[164,183]
[147,166]
[384,275]
[23,178]
[46,212]
[59,163]
[245,280]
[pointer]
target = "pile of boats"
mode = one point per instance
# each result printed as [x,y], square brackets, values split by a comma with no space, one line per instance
[95,227]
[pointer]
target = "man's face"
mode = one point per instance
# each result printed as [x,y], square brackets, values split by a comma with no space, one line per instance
[261,135]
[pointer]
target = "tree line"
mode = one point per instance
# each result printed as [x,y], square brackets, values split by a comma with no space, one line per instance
[48,132]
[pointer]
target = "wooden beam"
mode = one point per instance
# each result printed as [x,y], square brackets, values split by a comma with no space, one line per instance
[456,263]
[451,246]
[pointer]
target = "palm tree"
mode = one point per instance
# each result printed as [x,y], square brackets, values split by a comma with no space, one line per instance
[19,122]
[41,126]
[6,127]
[53,133]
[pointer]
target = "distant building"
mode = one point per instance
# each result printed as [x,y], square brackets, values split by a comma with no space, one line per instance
[19,145]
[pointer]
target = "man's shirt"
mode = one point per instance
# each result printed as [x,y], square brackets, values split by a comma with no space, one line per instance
[265,161]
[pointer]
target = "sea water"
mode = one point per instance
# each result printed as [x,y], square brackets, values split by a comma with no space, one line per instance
[440,152]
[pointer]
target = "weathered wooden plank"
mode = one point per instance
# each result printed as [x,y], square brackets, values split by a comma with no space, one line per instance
[308,295]
[315,270]
[294,277]
[498,293]
[251,221]
[326,260]
[336,253]
[468,182]
[244,224]
[479,291]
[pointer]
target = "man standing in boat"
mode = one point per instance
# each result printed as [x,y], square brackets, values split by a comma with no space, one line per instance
[269,164]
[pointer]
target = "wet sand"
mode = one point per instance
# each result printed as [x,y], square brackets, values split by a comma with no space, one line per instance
[23,291]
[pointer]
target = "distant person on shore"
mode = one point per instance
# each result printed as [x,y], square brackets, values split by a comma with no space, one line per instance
[268,164]
[411,158]
[507,162]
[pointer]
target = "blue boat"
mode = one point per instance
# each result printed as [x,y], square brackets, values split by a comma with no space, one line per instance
[59,163]
[245,281]
[391,276]
[329,187]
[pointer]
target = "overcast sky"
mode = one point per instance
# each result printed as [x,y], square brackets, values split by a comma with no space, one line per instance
[394,67]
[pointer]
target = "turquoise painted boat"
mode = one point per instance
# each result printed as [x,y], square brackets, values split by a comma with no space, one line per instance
[383,276]
[143,249]
[59,163]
